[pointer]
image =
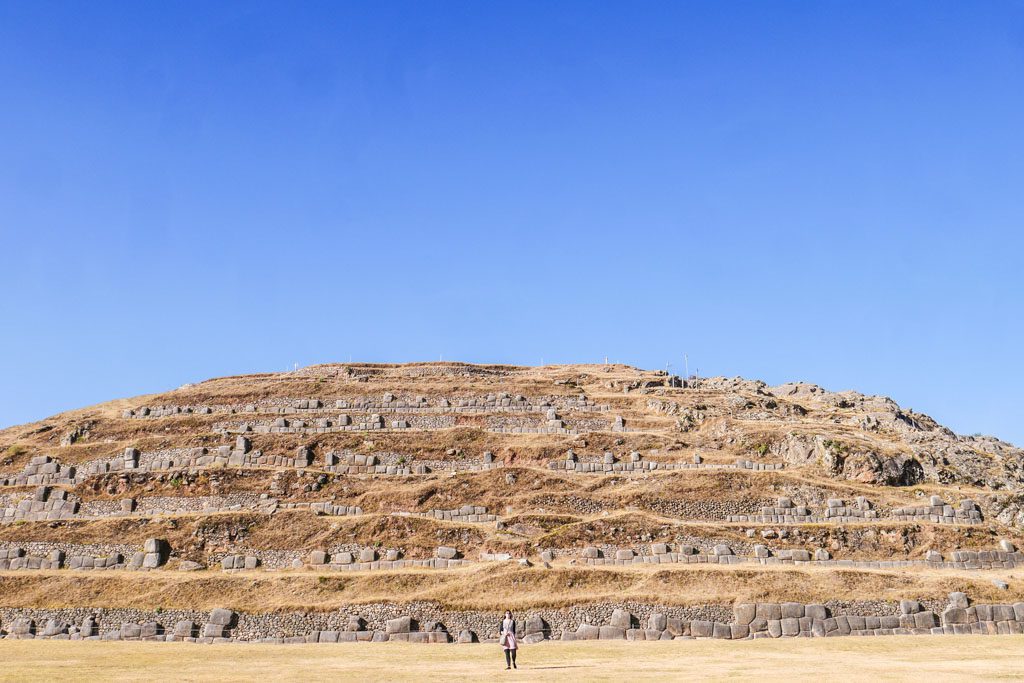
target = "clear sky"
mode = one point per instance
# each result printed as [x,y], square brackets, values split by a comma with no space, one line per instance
[827,191]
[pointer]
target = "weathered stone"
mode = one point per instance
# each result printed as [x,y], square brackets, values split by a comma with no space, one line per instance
[792,610]
[621,619]
[744,612]
[954,615]
[769,611]
[222,617]
[817,612]
[184,629]
[398,625]
[909,606]
[959,600]
[610,632]
[701,629]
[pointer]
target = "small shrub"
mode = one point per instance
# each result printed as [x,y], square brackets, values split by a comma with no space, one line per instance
[836,446]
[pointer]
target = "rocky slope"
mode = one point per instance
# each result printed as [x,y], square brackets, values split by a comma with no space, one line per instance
[572,482]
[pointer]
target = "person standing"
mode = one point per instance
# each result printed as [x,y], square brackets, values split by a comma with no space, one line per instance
[508,639]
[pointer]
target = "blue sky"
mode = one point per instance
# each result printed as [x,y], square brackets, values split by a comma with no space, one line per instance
[829,192]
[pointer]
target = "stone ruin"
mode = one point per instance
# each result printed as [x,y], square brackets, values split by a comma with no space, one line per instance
[744,621]
[635,462]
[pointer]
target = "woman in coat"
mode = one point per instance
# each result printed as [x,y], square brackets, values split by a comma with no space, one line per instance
[508,639]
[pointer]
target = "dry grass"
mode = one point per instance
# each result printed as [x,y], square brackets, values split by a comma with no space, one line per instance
[932,658]
[483,587]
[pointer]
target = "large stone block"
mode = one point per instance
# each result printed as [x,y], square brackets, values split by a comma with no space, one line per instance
[701,629]
[154,545]
[792,610]
[610,632]
[184,629]
[909,606]
[959,600]
[954,615]
[769,611]
[130,631]
[744,612]
[1003,613]
[534,624]
[213,631]
[398,625]
[222,617]
[621,619]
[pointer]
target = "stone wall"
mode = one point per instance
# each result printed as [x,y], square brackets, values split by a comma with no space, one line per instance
[937,511]
[14,556]
[388,403]
[635,463]
[426,623]
[43,505]
[1007,557]
[47,504]
[472,514]
[837,511]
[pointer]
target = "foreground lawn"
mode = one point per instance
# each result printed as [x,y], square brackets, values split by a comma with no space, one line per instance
[914,658]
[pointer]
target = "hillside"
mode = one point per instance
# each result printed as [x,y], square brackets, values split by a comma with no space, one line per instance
[417,501]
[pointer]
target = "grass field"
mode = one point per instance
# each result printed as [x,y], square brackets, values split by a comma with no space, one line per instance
[914,658]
